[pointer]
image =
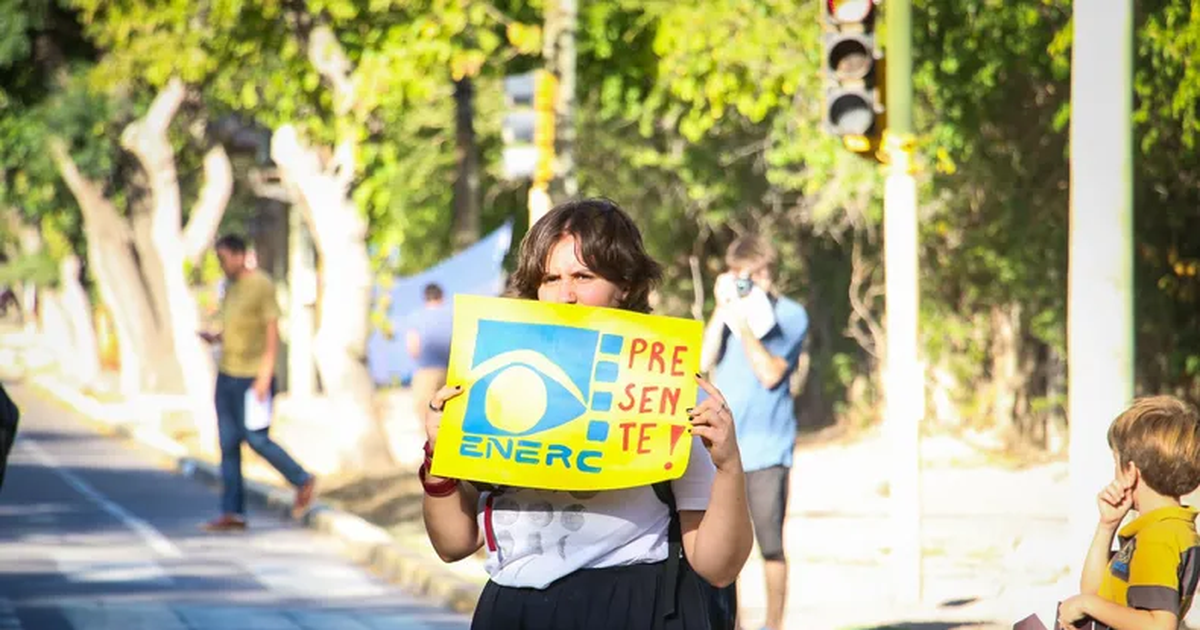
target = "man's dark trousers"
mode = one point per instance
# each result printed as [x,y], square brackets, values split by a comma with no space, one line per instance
[231,426]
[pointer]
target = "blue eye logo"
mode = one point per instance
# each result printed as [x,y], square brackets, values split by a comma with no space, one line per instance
[514,358]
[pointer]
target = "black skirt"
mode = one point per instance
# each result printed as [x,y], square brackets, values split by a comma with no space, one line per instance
[617,598]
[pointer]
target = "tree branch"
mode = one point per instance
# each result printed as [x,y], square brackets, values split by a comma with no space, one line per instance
[88,194]
[697,288]
[162,111]
[860,304]
[329,59]
[318,193]
[147,139]
[206,215]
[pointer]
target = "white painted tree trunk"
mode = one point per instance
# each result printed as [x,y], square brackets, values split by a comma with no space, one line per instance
[147,139]
[30,240]
[85,361]
[206,214]
[110,260]
[56,331]
[339,232]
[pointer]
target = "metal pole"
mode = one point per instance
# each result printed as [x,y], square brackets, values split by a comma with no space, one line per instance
[1100,277]
[545,94]
[904,379]
[560,44]
[555,178]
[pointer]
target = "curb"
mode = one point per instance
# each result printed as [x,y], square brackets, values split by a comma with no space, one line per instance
[363,542]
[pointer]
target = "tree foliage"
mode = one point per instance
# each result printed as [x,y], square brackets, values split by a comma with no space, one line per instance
[703,118]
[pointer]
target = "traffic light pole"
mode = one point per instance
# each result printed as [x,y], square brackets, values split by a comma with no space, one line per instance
[558,53]
[904,377]
[1100,341]
[544,99]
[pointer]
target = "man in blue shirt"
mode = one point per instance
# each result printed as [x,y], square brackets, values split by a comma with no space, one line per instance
[428,343]
[752,344]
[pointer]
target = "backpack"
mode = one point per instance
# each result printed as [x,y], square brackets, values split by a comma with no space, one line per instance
[9,414]
[722,602]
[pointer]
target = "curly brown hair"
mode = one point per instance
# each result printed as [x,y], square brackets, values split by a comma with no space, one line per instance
[609,244]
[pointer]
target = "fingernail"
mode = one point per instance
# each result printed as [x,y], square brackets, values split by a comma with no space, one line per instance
[689,409]
[458,387]
[698,375]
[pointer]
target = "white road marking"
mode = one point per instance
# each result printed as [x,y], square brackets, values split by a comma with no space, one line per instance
[321,580]
[152,537]
[106,565]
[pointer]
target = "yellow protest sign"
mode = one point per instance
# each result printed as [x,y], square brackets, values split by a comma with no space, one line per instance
[566,397]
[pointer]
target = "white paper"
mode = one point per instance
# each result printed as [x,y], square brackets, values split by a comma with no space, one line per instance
[258,412]
[758,312]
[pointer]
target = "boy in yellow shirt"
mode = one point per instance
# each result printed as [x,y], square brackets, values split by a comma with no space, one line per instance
[1149,582]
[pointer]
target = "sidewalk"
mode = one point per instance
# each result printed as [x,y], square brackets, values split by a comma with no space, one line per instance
[993,536]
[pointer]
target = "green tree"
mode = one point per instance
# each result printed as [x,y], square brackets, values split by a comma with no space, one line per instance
[992,83]
[334,80]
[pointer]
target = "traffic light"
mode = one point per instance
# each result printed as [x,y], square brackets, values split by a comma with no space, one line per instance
[852,65]
[528,127]
[517,130]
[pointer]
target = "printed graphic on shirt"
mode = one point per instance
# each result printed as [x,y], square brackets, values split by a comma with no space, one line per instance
[1154,569]
[502,525]
[1120,562]
[534,537]
[566,397]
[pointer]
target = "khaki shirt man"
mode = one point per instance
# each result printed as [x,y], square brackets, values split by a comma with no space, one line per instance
[250,342]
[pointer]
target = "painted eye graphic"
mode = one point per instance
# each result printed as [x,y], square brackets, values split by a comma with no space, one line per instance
[519,393]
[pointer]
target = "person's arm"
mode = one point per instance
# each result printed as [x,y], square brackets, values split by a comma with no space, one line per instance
[771,369]
[717,541]
[1098,556]
[768,368]
[412,342]
[712,346]
[1114,615]
[270,314]
[1120,617]
[266,366]
[713,343]
[450,521]
[1113,501]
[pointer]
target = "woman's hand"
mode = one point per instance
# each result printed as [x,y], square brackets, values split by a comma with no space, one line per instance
[712,421]
[450,520]
[433,414]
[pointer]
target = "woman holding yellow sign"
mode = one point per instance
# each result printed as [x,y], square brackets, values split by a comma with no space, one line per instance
[598,559]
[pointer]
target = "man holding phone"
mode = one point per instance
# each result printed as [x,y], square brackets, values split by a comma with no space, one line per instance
[752,345]
[249,341]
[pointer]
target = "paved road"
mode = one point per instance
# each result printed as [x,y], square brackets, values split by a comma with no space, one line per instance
[95,536]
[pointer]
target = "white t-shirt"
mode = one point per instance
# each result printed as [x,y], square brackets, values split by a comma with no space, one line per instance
[535,537]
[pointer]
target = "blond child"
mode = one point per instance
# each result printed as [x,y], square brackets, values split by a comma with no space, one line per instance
[1149,582]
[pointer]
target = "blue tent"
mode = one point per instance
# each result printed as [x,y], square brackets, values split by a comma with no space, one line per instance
[477,270]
